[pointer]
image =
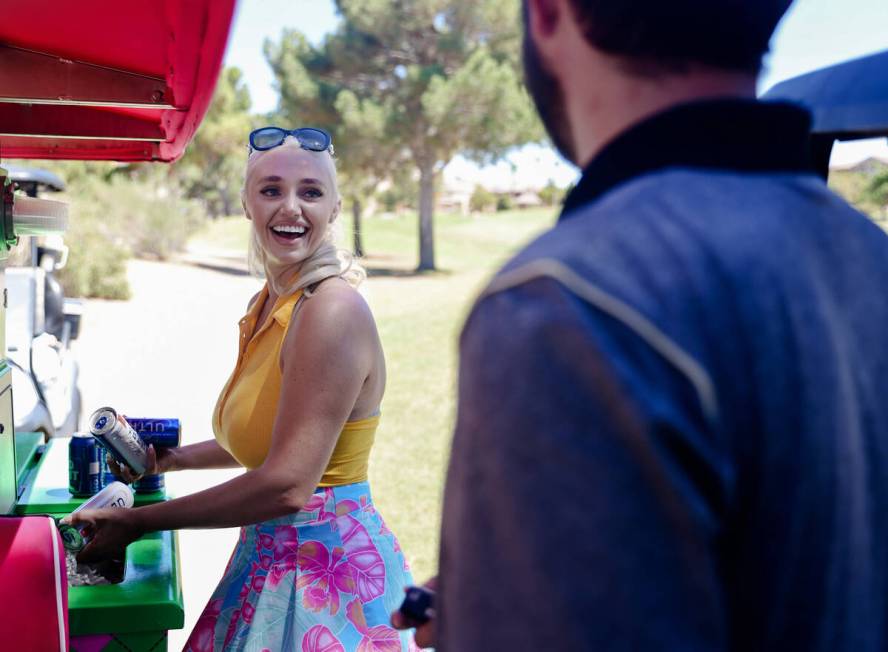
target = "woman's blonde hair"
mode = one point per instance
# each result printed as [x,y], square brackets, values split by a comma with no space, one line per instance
[328,260]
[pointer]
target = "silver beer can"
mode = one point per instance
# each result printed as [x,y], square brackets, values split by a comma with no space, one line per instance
[119,439]
[115,494]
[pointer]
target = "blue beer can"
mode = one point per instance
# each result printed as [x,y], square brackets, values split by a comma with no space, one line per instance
[107,476]
[149,484]
[85,458]
[162,433]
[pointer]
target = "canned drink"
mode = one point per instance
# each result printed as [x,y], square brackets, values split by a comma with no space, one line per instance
[72,539]
[149,484]
[107,476]
[166,433]
[115,494]
[118,437]
[85,458]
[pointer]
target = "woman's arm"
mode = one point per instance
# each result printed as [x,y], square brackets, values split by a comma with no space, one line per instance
[204,455]
[326,358]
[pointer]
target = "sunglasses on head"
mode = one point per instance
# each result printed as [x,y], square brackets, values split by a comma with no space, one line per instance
[310,138]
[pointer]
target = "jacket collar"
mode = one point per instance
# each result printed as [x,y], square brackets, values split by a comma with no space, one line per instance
[731,134]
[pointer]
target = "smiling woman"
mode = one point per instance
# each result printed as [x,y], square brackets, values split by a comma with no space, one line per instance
[315,566]
[294,216]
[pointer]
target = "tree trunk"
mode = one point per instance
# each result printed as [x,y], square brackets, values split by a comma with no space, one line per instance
[211,209]
[227,203]
[426,223]
[357,245]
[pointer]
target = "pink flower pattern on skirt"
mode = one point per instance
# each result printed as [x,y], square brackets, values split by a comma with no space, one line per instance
[202,637]
[367,566]
[321,639]
[322,580]
[380,638]
[323,576]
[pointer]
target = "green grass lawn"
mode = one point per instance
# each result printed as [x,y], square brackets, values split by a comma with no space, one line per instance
[419,318]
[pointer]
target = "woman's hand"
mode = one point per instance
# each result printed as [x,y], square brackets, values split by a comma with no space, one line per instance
[425,633]
[159,461]
[108,530]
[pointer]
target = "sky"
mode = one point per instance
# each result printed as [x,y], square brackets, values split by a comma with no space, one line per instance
[813,34]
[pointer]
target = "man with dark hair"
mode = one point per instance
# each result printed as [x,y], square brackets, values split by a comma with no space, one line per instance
[672,431]
[731,35]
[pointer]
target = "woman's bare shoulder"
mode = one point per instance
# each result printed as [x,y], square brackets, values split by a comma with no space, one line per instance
[336,299]
[334,321]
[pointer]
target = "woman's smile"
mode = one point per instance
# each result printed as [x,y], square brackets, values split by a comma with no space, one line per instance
[286,233]
[291,197]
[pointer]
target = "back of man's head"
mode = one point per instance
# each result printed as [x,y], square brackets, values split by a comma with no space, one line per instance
[656,35]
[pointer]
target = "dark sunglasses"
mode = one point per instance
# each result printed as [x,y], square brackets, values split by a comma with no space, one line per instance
[310,138]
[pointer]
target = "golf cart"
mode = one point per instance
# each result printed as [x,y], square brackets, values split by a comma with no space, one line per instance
[41,325]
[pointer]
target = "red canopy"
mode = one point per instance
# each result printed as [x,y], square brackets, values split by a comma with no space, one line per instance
[125,80]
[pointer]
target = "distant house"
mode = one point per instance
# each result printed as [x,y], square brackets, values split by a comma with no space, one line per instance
[869,166]
[527,199]
[456,193]
[455,201]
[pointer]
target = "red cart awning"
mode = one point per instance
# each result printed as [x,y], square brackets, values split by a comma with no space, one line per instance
[124,80]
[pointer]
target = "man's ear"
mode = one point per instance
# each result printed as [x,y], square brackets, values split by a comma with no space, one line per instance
[543,17]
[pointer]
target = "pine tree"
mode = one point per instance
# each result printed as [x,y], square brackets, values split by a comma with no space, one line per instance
[410,82]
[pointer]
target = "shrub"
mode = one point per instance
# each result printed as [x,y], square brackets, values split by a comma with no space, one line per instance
[153,221]
[402,193]
[482,199]
[115,216]
[389,199]
[877,189]
[96,264]
[164,227]
[504,203]
[97,255]
[551,195]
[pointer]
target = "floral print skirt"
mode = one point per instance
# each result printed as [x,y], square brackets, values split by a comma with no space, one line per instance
[324,579]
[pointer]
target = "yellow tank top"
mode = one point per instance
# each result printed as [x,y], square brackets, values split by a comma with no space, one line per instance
[246,409]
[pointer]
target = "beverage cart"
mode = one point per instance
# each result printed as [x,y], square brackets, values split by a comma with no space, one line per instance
[92,80]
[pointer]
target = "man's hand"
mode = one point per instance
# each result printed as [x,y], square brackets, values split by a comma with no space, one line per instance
[425,633]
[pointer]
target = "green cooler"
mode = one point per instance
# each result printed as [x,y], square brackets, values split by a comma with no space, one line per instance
[132,615]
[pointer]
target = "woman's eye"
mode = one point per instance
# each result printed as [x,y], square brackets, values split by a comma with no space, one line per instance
[270,191]
[312,193]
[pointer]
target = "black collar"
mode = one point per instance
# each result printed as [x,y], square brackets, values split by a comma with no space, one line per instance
[726,134]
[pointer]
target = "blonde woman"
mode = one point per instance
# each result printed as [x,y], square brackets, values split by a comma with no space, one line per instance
[315,568]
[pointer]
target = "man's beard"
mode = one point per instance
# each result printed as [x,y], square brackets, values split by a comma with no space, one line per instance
[545,89]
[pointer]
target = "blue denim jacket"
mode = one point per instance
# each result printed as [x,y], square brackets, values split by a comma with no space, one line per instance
[672,430]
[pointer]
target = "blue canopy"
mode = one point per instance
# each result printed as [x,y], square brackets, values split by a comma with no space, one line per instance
[848,100]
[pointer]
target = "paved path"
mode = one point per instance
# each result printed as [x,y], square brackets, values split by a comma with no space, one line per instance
[167,352]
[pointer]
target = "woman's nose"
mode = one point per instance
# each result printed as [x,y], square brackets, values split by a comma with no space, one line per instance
[291,203]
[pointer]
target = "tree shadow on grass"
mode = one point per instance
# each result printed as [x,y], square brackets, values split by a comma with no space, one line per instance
[395,266]
[399,272]
[233,270]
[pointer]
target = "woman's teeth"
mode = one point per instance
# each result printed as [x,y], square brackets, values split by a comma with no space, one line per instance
[289,230]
